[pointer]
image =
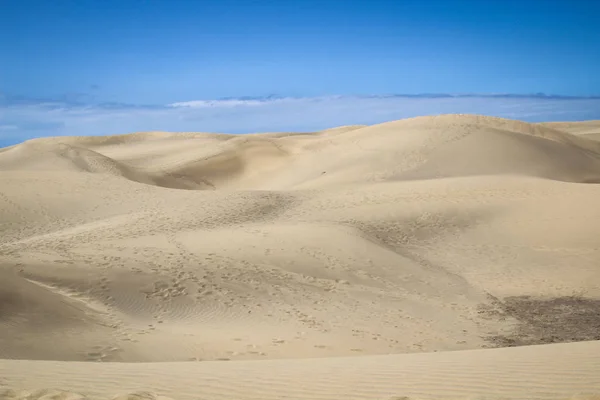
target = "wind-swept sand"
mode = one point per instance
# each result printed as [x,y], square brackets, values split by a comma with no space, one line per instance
[310,262]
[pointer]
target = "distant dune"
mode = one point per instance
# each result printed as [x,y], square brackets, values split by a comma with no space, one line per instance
[312,262]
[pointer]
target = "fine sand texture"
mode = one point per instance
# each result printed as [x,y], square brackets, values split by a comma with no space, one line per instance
[450,257]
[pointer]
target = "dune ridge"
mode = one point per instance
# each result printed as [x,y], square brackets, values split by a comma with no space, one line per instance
[355,262]
[215,161]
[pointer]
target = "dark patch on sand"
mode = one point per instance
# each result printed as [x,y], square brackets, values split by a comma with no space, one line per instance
[548,320]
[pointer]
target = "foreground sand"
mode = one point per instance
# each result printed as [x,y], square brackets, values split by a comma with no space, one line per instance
[558,371]
[317,254]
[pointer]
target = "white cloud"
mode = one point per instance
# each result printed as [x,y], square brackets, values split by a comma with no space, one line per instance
[22,121]
[228,102]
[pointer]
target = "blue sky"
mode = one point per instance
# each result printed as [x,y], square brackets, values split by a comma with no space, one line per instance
[130,60]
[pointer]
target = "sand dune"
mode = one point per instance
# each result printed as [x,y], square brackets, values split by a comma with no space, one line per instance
[311,261]
[587,129]
[579,128]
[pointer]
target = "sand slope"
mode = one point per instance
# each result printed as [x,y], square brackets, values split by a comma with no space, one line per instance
[419,235]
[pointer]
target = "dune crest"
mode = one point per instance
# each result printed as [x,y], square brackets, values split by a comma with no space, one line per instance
[467,145]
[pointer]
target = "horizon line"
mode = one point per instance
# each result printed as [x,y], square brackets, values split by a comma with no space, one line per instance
[75,100]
